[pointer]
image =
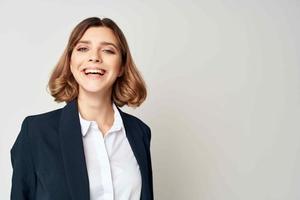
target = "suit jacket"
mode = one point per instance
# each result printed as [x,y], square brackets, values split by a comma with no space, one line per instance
[48,157]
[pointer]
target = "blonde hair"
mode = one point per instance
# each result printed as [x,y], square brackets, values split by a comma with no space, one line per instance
[129,89]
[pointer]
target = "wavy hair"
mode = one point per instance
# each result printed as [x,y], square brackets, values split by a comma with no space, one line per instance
[128,89]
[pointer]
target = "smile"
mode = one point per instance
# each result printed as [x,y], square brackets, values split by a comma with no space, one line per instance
[94,73]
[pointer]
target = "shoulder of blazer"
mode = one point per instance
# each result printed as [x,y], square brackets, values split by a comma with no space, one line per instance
[30,129]
[49,115]
[133,119]
[47,120]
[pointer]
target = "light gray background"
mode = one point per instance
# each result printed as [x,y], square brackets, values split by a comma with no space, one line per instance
[223,79]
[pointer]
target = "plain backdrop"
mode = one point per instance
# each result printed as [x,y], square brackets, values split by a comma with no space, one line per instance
[223,78]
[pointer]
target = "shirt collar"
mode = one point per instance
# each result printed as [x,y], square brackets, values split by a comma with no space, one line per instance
[86,124]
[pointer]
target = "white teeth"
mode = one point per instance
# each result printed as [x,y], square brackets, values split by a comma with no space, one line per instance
[94,71]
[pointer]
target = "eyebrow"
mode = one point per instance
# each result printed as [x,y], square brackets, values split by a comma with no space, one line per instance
[102,43]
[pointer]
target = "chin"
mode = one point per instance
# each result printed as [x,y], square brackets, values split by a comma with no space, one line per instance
[94,89]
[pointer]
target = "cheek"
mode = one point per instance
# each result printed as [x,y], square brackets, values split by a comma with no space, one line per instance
[74,63]
[116,63]
[75,59]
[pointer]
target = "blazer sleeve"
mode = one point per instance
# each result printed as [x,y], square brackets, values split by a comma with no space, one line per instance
[23,177]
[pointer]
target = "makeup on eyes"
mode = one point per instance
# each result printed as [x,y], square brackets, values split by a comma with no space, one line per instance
[111,51]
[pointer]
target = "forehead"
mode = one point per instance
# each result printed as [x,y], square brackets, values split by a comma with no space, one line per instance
[99,35]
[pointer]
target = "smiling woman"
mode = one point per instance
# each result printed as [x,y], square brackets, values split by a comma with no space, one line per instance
[90,148]
[96,61]
[105,42]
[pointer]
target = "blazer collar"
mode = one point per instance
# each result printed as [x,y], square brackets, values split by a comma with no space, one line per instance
[73,152]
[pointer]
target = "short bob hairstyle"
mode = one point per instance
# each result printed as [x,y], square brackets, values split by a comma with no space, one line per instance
[128,89]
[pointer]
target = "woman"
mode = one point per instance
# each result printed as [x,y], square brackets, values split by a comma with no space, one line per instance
[89,149]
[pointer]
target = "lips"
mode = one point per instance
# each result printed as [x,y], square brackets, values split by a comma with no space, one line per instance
[89,71]
[93,71]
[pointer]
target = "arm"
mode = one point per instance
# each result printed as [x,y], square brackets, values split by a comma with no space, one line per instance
[23,177]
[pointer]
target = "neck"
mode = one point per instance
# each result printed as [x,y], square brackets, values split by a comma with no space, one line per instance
[96,107]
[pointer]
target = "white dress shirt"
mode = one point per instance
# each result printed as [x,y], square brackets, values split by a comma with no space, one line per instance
[113,171]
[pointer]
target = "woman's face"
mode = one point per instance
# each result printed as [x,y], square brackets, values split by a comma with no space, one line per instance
[96,60]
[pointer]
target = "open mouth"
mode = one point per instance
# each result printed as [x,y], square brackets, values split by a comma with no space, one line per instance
[94,72]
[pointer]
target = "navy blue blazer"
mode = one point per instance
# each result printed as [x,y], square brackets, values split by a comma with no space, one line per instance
[48,156]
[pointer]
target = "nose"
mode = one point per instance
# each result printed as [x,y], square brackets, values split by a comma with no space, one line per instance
[94,57]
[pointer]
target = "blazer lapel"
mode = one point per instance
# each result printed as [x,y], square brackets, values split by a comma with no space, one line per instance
[135,138]
[73,152]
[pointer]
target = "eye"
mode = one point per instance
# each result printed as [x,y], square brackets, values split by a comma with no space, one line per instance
[108,51]
[82,49]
